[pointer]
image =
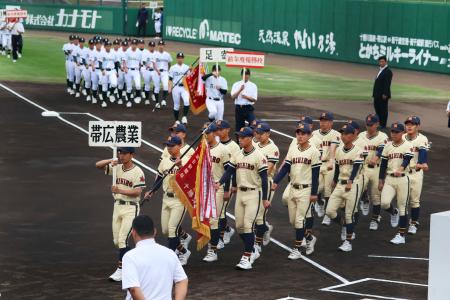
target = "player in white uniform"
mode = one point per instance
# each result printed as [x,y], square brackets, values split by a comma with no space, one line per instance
[120,73]
[176,87]
[163,61]
[77,54]
[87,54]
[70,70]
[96,62]
[5,37]
[131,65]
[148,72]
[157,18]
[108,77]
[216,89]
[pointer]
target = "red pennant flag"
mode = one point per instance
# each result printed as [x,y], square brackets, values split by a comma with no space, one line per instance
[193,83]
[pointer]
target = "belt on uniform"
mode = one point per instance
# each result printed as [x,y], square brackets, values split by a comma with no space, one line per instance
[344,181]
[243,105]
[373,166]
[325,160]
[97,68]
[393,175]
[300,186]
[108,69]
[122,202]
[180,84]
[170,195]
[162,70]
[245,189]
[215,99]
[133,69]
[151,69]
[412,171]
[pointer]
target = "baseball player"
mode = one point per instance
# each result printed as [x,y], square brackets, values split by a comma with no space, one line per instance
[163,61]
[180,131]
[67,49]
[302,163]
[268,148]
[96,61]
[176,88]
[157,18]
[87,55]
[346,184]
[374,142]
[216,89]
[120,72]
[249,166]
[220,157]
[127,190]
[394,180]
[108,77]
[77,54]
[223,133]
[330,140]
[418,164]
[131,67]
[141,44]
[5,33]
[173,211]
[148,72]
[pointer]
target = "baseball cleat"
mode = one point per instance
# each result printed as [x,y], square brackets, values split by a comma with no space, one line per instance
[310,245]
[344,234]
[104,105]
[137,100]
[112,99]
[412,229]
[72,92]
[255,255]
[88,98]
[124,93]
[210,256]
[185,242]
[157,106]
[163,103]
[77,95]
[153,98]
[120,102]
[220,245]
[84,92]
[116,276]
[398,239]
[346,246]
[395,217]
[94,100]
[9,56]
[147,102]
[177,122]
[129,104]
[365,207]
[295,254]
[244,263]
[132,96]
[266,237]
[320,209]
[303,243]
[184,257]
[258,247]
[100,96]
[142,94]
[373,225]
[19,55]
[227,236]
[184,120]
[326,221]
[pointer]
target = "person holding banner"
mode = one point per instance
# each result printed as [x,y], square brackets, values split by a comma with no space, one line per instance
[173,211]
[220,158]
[216,88]
[127,190]
[249,166]
[16,39]
[176,74]
[244,93]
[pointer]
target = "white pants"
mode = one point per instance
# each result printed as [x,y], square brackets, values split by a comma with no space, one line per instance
[6,41]
[177,93]
[215,109]
[95,78]
[86,73]
[158,27]
[130,76]
[164,79]
[120,80]
[78,73]
[149,76]
[70,70]
[109,78]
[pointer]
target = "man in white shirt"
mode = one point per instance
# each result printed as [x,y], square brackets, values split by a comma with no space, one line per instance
[150,270]
[16,39]
[244,93]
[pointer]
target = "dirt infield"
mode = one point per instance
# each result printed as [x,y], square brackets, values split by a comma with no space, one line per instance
[55,233]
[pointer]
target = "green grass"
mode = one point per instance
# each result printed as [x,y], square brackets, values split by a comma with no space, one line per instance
[43,62]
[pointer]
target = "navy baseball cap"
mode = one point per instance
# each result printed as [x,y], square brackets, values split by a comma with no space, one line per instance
[134,42]
[222,124]
[82,40]
[353,124]
[210,127]
[125,43]
[172,141]
[303,127]
[306,119]
[180,55]
[126,149]
[245,132]
[161,42]
[415,120]
[347,128]
[141,41]
[116,42]
[262,127]
[254,124]
[397,127]
[372,119]
[151,44]
[108,43]
[327,116]
[178,128]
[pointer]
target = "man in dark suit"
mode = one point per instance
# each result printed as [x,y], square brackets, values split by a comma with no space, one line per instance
[142,20]
[382,90]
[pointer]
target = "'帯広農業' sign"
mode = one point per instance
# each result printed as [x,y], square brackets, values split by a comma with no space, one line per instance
[115,134]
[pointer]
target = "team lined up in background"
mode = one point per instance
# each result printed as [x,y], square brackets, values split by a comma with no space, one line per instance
[11,42]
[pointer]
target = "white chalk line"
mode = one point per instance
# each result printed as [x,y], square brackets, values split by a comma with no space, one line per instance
[278,243]
[397,257]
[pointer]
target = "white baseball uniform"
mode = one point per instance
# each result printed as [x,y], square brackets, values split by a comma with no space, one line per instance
[109,74]
[132,61]
[163,60]
[148,70]
[214,98]
[176,74]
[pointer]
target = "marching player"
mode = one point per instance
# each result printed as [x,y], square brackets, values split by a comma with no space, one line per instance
[216,89]
[394,180]
[108,77]
[302,163]
[374,141]
[220,158]
[268,148]
[5,32]
[163,61]
[127,192]
[249,166]
[157,18]
[87,55]
[330,140]
[78,59]
[173,211]
[223,132]
[180,131]
[67,49]
[346,183]
[120,73]
[96,65]
[176,74]
[418,164]
[131,63]
[148,68]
